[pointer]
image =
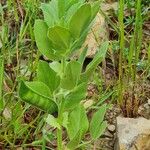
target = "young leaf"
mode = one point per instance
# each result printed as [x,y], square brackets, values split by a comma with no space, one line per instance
[97,126]
[37,94]
[48,76]
[71,75]
[80,20]
[78,123]
[75,96]
[60,38]
[50,12]
[97,59]
[43,43]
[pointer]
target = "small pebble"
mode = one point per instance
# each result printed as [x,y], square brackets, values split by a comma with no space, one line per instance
[111,128]
[108,134]
[149,102]
[146,106]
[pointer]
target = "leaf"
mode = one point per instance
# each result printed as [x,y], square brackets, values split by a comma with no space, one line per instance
[48,76]
[94,63]
[78,123]
[62,7]
[56,66]
[50,12]
[83,55]
[43,43]
[65,120]
[37,94]
[60,38]
[52,121]
[71,10]
[94,9]
[74,142]
[97,126]
[75,96]
[71,75]
[80,20]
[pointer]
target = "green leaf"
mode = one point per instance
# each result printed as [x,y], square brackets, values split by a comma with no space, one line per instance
[75,96]
[97,126]
[56,66]
[43,43]
[62,7]
[48,76]
[60,38]
[37,94]
[83,55]
[95,62]
[78,125]
[65,120]
[71,10]
[95,8]
[71,75]
[50,12]
[80,20]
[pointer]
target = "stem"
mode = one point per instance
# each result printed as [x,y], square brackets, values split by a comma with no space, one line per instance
[59,131]
[121,36]
[60,115]
[59,138]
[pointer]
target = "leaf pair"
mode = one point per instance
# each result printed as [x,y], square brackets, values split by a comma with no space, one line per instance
[58,40]
[78,125]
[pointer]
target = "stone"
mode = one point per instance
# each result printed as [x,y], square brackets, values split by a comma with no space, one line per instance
[96,36]
[111,128]
[146,106]
[148,101]
[133,133]
[7,114]
[88,103]
[108,134]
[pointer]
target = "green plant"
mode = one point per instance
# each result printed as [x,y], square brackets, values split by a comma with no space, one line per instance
[61,85]
[130,103]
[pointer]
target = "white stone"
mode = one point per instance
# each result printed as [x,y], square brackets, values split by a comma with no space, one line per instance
[148,101]
[7,114]
[111,128]
[131,132]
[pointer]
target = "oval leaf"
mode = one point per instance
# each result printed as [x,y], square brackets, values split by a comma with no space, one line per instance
[50,12]
[97,126]
[60,38]
[80,20]
[71,75]
[37,94]
[75,96]
[48,76]
[43,43]
[78,123]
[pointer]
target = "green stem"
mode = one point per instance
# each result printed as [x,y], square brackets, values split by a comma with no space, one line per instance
[59,139]
[121,26]
[60,114]
[59,131]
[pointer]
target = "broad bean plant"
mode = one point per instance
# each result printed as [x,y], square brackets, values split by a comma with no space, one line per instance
[61,85]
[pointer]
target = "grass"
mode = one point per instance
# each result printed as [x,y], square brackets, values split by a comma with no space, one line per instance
[24,126]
